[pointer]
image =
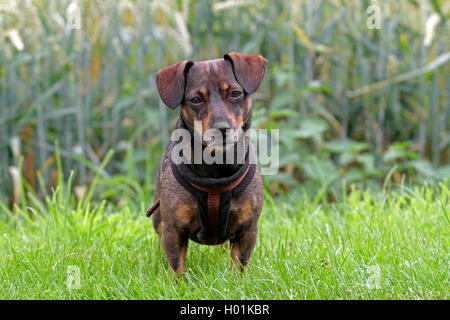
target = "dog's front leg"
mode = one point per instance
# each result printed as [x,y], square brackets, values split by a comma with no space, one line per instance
[242,247]
[175,248]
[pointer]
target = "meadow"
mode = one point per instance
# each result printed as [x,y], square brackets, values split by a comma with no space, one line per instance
[389,245]
[359,208]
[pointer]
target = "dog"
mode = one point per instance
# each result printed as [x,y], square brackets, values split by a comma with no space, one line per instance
[216,202]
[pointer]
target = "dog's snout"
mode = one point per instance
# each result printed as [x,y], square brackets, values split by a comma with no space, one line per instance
[222,126]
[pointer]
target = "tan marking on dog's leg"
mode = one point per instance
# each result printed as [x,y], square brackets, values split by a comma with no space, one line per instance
[159,229]
[244,213]
[182,263]
[184,214]
[235,252]
[243,247]
[157,221]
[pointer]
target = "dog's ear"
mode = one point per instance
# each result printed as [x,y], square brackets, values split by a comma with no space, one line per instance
[249,69]
[171,82]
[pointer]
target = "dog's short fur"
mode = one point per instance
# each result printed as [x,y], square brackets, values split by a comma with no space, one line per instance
[217,93]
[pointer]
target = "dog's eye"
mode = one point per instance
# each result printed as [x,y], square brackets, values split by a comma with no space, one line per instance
[235,94]
[196,100]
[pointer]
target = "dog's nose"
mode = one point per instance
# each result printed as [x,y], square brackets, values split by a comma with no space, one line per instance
[222,126]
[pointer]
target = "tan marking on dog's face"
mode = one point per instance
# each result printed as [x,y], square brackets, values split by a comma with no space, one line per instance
[236,122]
[249,104]
[225,86]
[185,113]
[203,91]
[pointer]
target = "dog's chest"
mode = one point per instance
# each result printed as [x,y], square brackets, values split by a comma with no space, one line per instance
[187,215]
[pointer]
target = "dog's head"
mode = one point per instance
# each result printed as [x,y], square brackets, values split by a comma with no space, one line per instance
[215,92]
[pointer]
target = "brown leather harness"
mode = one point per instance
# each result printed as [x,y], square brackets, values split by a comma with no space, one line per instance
[213,198]
[214,202]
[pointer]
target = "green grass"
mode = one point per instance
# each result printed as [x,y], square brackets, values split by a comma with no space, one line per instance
[389,245]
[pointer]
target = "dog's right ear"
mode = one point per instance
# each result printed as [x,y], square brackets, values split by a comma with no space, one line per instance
[171,82]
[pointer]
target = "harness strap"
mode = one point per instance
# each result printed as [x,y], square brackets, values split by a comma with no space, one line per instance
[219,190]
[213,195]
[213,204]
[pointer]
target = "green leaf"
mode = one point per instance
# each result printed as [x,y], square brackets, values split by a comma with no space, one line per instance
[320,170]
[354,174]
[392,154]
[345,145]
[284,113]
[367,159]
[282,99]
[443,172]
[311,127]
[424,167]
[281,177]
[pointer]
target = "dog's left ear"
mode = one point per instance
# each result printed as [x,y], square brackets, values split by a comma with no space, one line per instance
[249,69]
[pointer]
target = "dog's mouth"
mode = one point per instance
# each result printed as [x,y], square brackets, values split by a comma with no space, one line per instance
[224,143]
[222,147]
[213,148]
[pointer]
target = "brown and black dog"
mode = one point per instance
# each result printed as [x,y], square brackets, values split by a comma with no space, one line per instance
[209,203]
